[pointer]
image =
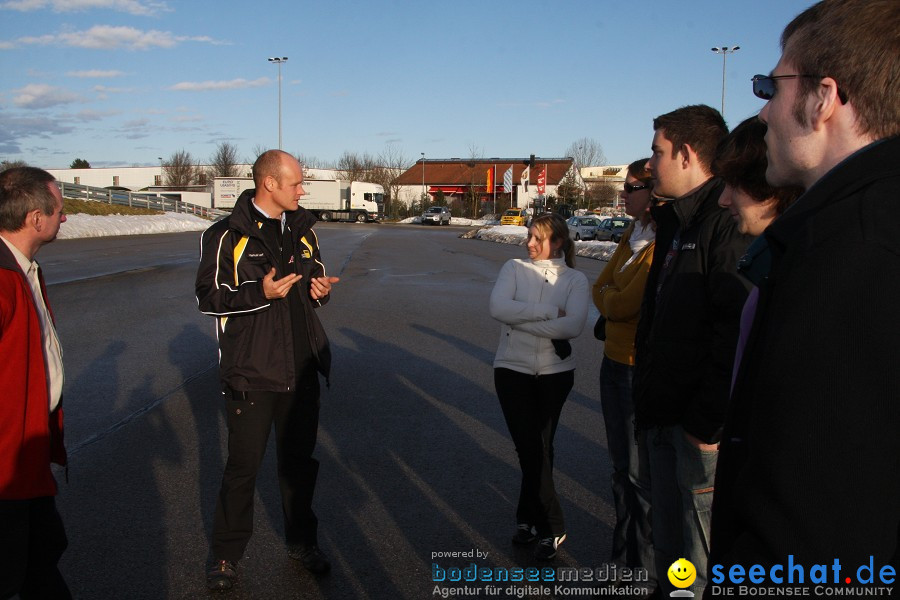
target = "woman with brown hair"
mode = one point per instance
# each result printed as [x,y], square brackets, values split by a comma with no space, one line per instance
[541,304]
[617,294]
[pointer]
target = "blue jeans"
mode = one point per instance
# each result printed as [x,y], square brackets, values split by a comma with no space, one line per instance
[681,478]
[632,540]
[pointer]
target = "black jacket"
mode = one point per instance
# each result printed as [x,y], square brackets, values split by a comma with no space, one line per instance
[810,460]
[255,334]
[688,329]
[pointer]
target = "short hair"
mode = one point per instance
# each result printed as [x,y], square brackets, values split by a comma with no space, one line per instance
[554,226]
[855,42]
[638,170]
[741,162]
[699,126]
[269,164]
[22,190]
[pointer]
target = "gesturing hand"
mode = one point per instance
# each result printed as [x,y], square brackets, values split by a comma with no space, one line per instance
[319,287]
[278,289]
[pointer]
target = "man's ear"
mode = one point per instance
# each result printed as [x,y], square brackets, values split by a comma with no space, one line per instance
[688,156]
[822,103]
[35,219]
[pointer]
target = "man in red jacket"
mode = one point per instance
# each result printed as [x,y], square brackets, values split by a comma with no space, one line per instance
[32,537]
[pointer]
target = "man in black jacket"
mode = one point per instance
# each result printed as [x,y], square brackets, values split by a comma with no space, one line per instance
[261,275]
[686,336]
[811,453]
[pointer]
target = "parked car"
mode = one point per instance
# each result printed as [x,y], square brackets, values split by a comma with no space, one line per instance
[583,228]
[437,215]
[515,216]
[612,228]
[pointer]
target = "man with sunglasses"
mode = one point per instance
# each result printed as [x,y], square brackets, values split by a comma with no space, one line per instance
[811,453]
[686,336]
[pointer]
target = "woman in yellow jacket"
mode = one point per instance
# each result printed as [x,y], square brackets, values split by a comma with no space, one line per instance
[617,294]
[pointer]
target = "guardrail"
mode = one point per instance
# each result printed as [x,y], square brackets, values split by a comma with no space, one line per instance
[164,201]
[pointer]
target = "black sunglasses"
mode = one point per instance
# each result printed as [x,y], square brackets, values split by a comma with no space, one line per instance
[634,188]
[764,85]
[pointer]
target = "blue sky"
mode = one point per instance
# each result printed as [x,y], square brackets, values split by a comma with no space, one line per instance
[123,82]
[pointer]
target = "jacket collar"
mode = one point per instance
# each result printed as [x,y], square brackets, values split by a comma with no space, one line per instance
[243,217]
[698,203]
[8,260]
[876,161]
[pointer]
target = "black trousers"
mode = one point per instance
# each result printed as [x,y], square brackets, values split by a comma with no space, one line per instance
[32,540]
[531,406]
[250,416]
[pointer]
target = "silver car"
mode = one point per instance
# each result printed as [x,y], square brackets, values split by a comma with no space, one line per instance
[437,215]
[583,228]
[612,229]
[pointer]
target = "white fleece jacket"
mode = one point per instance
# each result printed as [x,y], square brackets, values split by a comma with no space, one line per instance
[526,300]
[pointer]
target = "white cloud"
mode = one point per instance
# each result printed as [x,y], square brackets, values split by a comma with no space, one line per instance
[102,89]
[107,37]
[94,115]
[95,74]
[39,95]
[134,7]
[205,86]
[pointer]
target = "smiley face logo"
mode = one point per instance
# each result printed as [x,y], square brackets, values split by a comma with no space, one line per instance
[682,573]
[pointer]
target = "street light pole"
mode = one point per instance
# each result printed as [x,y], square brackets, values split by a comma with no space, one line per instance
[278,60]
[423,177]
[724,51]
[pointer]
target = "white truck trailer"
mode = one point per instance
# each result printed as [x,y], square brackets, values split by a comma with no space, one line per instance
[328,199]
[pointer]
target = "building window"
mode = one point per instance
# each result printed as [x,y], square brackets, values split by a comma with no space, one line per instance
[116,180]
[77,180]
[157,180]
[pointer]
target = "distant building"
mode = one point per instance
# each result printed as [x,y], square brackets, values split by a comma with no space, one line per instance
[465,179]
[138,179]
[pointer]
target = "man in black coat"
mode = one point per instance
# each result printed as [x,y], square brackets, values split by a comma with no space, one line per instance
[261,275]
[809,472]
[686,336]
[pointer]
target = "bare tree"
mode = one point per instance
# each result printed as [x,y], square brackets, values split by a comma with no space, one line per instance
[180,170]
[391,164]
[224,161]
[476,177]
[601,194]
[9,164]
[356,167]
[308,162]
[257,151]
[586,152]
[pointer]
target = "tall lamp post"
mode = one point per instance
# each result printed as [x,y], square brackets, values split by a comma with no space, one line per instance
[724,51]
[423,177]
[278,60]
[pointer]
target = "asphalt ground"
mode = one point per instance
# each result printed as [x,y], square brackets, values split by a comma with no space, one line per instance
[416,461]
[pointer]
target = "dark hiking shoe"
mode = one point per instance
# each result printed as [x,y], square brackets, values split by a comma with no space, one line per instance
[222,575]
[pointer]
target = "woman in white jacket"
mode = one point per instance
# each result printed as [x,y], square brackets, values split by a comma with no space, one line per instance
[542,303]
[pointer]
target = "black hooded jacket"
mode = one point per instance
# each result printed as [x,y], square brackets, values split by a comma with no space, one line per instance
[256,348]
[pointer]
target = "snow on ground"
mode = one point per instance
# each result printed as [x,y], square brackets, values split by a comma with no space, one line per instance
[491,231]
[515,234]
[84,226]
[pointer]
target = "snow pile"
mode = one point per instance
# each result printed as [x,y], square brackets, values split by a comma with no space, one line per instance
[453,221]
[515,234]
[84,226]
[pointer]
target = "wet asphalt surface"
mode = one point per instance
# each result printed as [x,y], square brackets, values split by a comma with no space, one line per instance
[415,456]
